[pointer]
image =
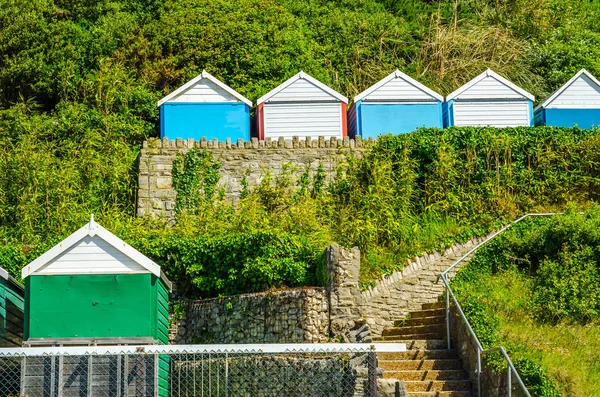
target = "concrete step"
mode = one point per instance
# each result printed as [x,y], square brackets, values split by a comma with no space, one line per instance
[428,313]
[438,385]
[435,305]
[428,375]
[439,394]
[410,321]
[416,329]
[427,335]
[425,344]
[421,365]
[440,354]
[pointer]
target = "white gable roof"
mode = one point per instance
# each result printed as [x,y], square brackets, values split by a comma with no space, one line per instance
[92,250]
[398,86]
[583,90]
[489,85]
[302,88]
[205,86]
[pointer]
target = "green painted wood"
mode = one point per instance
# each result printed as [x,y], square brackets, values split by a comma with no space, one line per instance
[16,297]
[27,311]
[91,306]
[162,312]
[2,300]
[11,314]
[164,364]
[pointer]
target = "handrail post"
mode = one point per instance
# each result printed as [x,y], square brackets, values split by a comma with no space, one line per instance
[478,372]
[509,380]
[448,318]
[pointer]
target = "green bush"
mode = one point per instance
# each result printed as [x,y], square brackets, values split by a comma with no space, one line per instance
[562,257]
[556,262]
[238,263]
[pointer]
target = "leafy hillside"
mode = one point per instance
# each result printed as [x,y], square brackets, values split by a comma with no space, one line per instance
[79,82]
[535,290]
[409,193]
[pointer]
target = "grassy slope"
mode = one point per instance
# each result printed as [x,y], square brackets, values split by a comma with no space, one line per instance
[569,353]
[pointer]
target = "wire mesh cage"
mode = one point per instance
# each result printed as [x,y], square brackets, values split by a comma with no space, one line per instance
[189,371]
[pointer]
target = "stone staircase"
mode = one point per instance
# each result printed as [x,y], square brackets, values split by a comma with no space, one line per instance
[427,368]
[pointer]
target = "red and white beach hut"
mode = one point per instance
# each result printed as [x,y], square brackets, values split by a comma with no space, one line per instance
[303,107]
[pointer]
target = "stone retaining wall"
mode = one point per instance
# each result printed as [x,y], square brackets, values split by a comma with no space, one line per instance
[289,316]
[251,160]
[493,384]
[339,312]
[395,295]
[297,375]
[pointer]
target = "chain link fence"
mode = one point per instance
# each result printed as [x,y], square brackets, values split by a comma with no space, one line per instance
[305,370]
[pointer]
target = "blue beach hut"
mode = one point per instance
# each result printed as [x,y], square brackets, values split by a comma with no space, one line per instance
[489,100]
[205,107]
[396,104]
[575,103]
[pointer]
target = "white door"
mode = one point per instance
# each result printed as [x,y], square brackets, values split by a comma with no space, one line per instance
[495,114]
[302,119]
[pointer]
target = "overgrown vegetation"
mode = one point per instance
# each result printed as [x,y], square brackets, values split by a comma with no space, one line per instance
[409,193]
[79,82]
[535,290]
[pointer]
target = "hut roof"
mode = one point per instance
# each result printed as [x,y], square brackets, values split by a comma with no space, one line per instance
[204,75]
[568,84]
[310,82]
[117,257]
[409,84]
[501,81]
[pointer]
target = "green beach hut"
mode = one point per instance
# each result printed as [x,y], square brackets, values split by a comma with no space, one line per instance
[94,289]
[12,298]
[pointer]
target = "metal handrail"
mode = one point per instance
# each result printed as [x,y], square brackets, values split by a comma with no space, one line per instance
[450,296]
[511,368]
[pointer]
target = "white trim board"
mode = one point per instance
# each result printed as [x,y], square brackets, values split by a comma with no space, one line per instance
[208,76]
[490,73]
[3,274]
[93,229]
[206,349]
[559,91]
[402,76]
[306,77]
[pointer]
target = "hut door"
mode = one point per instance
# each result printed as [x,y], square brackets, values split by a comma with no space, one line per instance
[491,113]
[303,119]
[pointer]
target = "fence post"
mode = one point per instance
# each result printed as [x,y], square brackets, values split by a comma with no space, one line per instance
[60,374]
[226,374]
[372,374]
[23,374]
[90,375]
[509,380]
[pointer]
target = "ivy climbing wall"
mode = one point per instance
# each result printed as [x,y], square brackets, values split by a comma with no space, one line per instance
[239,164]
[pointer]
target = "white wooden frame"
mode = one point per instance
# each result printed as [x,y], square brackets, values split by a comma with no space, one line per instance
[490,73]
[557,93]
[206,349]
[208,76]
[308,78]
[399,75]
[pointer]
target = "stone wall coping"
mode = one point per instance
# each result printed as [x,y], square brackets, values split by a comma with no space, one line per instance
[417,263]
[253,295]
[295,143]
